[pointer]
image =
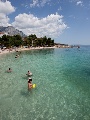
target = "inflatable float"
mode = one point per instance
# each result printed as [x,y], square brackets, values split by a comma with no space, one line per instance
[34,86]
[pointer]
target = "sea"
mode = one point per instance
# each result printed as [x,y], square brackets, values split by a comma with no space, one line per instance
[62,78]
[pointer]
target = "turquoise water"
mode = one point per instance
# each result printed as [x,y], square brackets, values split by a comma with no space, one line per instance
[62,78]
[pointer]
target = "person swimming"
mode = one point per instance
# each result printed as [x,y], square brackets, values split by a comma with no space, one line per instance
[16,56]
[29,73]
[9,70]
[30,83]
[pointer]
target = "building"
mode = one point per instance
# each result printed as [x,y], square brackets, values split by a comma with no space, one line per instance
[3,33]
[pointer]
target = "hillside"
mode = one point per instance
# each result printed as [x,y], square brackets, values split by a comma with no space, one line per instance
[11,31]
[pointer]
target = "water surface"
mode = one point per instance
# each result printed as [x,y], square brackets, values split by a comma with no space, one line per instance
[62,77]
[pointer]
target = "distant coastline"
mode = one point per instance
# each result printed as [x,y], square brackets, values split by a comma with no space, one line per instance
[58,45]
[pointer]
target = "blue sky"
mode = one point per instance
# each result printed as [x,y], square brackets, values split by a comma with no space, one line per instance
[65,21]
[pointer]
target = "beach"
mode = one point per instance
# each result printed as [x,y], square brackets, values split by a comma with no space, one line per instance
[5,51]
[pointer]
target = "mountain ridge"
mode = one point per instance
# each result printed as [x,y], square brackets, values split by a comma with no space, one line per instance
[10,30]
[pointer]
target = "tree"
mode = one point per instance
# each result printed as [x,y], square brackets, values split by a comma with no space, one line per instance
[17,40]
[32,38]
[5,40]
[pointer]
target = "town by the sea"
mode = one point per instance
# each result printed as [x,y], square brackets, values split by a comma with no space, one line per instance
[62,78]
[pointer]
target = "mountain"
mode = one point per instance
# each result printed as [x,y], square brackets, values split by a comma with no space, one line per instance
[10,30]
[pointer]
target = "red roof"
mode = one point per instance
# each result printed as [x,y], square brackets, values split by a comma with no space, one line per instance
[1,32]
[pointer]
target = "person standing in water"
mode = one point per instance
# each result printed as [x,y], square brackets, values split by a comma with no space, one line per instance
[30,83]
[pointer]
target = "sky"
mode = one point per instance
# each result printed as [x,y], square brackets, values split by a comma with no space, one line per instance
[65,21]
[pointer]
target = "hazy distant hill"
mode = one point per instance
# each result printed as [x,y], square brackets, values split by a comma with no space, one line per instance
[11,31]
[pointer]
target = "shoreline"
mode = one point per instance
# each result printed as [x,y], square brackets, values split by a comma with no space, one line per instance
[11,50]
[6,51]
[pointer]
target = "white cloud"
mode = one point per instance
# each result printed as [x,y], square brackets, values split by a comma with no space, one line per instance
[77,2]
[39,3]
[5,9]
[51,26]
[4,20]
[35,3]
[80,3]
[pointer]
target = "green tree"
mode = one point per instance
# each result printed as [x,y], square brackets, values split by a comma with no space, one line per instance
[5,40]
[44,42]
[17,40]
[32,39]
